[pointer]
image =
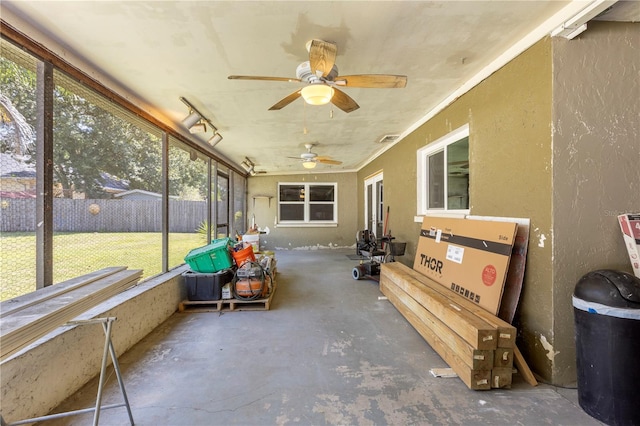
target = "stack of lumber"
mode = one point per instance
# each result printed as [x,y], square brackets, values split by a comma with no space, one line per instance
[476,344]
[26,319]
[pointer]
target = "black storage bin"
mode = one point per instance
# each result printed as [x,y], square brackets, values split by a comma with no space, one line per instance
[606,307]
[206,286]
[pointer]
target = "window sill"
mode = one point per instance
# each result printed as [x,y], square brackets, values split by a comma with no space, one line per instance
[307,225]
[456,215]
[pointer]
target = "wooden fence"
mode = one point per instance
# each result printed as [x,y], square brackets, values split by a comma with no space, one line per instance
[98,215]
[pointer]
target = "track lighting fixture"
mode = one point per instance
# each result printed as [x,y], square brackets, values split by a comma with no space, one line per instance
[191,119]
[213,141]
[248,166]
[195,122]
[199,127]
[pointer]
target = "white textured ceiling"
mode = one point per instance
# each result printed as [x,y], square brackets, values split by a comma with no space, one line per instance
[155,52]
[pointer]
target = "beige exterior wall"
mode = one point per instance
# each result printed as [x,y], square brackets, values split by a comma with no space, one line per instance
[596,164]
[302,238]
[509,117]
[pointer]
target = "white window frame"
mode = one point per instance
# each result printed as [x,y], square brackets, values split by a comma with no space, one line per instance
[307,222]
[423,155]
[372,180]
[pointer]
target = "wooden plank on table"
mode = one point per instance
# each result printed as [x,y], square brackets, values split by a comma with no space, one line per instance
[9,307]
[29,324]
[477,332]
[476,359]
[474,379]
[506,333]
[523,368]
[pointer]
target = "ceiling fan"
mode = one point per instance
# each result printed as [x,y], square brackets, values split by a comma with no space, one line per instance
[320,74]
[309,159]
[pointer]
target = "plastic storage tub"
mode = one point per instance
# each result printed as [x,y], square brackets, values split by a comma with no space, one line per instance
[206,286]
[607,314]
[213,257]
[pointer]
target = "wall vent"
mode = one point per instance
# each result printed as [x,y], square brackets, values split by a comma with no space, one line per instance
[388,138]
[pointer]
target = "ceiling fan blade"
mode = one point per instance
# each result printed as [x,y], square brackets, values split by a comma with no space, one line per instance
[259,77]
[286,101]
[376,81]
[343,101]
[322,56]
[326,160]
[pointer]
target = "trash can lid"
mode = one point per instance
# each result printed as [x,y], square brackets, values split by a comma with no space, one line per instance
[610,288]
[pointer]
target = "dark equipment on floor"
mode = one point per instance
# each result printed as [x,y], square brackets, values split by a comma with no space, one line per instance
[607,315]
[375,252]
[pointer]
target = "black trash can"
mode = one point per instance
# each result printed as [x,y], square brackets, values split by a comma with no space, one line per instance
[606,307]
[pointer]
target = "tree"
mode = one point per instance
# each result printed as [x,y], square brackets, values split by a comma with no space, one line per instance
[17,99]
[93,137]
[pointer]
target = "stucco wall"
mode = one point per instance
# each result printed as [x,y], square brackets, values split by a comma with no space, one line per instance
[305,238]
[596,163]
[509,116]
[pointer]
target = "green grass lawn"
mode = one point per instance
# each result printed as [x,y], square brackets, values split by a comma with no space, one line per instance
[76,254]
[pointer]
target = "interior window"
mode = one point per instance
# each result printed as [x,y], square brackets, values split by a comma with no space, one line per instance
[303,203]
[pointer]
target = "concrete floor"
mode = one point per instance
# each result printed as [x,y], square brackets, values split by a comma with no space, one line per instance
[327,352]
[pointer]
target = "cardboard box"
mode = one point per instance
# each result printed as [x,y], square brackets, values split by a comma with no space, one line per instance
[630,227]
[470,257]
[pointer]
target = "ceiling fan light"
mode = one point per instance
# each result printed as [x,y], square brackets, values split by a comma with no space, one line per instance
[309,164]
[317,94]
[191,119]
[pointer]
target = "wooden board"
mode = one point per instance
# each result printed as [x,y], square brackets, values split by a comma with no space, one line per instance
[523,368]
[477,332]
[28,324]
[501,377]
[505,333]
[503,357]
[476,359]
[474,379]
[443,372]
[10,307]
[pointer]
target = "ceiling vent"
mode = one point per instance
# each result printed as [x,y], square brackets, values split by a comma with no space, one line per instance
[388,138]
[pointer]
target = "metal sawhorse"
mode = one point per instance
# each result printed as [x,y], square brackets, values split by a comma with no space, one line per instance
[108,349]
